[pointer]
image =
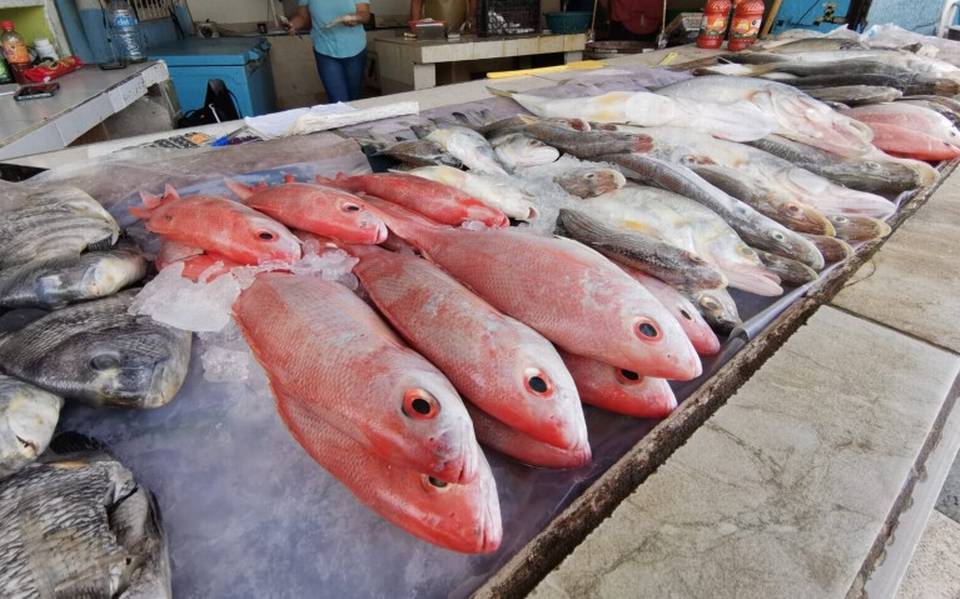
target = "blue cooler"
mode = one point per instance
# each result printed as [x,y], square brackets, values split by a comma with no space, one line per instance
[243,64]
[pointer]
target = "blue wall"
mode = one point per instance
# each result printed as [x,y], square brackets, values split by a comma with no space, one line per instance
[921,16]
[83,21]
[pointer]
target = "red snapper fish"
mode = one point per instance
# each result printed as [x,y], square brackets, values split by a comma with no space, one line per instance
[460,517]
[499,364]
[567,292]
[319,209]
[328,353]
[218,225]
[620,390]
[497,435]
[441,203]
[196,262]
[702,337]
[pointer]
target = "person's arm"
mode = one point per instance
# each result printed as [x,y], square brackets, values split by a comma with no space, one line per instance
[416,10]
[300,20]
[469,24]
[362,16]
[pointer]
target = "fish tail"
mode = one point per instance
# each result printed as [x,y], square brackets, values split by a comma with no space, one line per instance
[239,189]
[152,201]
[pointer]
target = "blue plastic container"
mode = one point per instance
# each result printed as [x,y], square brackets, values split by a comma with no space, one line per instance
[568,22]
[242,63]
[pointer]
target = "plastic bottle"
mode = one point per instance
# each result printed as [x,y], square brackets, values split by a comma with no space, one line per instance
[45,49]
[15,51]
[713,27]
[747,16]
[126,32]
[5,75]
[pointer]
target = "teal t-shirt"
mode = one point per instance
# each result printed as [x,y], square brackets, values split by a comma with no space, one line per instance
[339,41]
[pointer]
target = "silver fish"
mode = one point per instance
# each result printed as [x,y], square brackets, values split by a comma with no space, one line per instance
[646,253]
[832,248]
[716,306]
[469,147]
[97,353]
[516,150]
[791,272]
[875,173]
[756,229]
[419,152]
[813,44]
[79,525]
[688,225]
[59,281]
[57,222]
[855,95]
[590,181]
[28,416]
[584,144]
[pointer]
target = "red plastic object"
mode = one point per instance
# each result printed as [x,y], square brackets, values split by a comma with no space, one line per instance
[713,28]
[747,16]
[44,72]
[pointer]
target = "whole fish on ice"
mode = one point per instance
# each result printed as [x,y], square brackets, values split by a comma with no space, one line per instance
[78,524]
[516,150]
[620,390]
[912,131]
[499,364]
[28,416]
[319,209]
[496,435]
[716,306]
[555,285]
[797,115]
[419,152]
[330,358]
[581,143]
[743,122]
[588,181]
[469,147]
[494,192]
[98,354]
[59,281]
[440,202]
[218,225]
[52,223]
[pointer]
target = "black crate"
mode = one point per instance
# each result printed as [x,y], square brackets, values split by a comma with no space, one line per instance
[508,17]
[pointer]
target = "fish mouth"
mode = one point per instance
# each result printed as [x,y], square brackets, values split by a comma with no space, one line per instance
[806,219]
[491,524]
[859,228]
[706,344]
[758,281]
[381,233]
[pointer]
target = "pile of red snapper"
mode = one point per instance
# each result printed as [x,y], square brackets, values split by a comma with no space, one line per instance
[493,337]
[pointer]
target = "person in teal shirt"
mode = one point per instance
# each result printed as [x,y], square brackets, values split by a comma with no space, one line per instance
[339,43]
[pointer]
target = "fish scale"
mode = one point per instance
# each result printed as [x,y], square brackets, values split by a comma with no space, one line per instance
[489,357]
[324,349]
[44,232]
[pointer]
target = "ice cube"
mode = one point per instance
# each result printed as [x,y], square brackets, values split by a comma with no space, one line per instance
[223,365]
[175,301]
[473,225]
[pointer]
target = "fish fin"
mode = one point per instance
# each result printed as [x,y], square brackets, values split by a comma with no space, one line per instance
[102,245]
[503,93]
[73,442]
[170,193]
[289,179]
[239,189]
[405,224]
[152,201]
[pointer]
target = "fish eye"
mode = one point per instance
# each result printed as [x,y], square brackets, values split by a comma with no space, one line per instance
[709,303]
[794,209]
[746,250]
[628,377]
[419,405]
[537,382]
[685,314]
[350,208]
[873,166]
[266,235]
[646,329]
[778,236]
[434,484]
[106,361]
[590,176]
[839,219]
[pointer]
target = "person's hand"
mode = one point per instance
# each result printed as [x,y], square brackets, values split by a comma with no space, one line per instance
[468,26]
[351,20]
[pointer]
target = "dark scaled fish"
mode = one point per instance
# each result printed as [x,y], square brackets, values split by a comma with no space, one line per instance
[585,144]
[832,248]
[589,181]
[716,306]
[96,353]
[856,95]
[56,222]
[420,152]
[648,254]
[791,272]
[79,525]
[859,228]
[28,416]
[60,281]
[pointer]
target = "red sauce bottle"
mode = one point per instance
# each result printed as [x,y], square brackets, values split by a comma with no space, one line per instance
[713,28]
[745,27]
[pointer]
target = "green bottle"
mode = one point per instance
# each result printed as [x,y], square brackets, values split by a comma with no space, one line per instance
[5,76]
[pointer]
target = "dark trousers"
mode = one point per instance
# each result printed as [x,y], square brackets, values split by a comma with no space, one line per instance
[342,77]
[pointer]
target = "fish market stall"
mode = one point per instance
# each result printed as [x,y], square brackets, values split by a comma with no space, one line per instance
[749,219]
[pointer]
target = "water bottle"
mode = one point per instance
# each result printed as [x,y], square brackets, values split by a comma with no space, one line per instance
[126,31]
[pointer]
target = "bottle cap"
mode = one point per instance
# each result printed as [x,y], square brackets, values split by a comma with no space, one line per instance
[8,25]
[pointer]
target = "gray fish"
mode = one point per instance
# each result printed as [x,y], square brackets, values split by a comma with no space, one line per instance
[57,222]
[859,228]
[59,281]
[585,144]
[518,122]
[97,353]
[832,249]
[646,253]
[906,82]
[791,272]
[949,103]
[79,525]
[716,306]
[946,112]
[874,173]
[28,417]
[756,229]
[856,95]
[420,152]
[590,181]
[815,44]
